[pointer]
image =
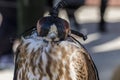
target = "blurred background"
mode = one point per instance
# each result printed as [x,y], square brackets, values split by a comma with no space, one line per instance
[99,19]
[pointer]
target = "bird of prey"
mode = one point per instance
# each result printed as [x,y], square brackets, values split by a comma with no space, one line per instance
[51,52]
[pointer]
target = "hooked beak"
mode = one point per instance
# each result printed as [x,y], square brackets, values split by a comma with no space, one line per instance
[52,36]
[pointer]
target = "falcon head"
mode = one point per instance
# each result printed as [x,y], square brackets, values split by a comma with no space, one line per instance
[53,28]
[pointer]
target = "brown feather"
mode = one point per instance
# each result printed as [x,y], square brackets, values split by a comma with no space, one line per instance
[37,59]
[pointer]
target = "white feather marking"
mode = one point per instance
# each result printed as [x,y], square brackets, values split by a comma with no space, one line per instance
[34,44]
[31,76]
[60,55]
[37,60]
[45,78]
[19,73]
[72,69]
[48,48]
[64,62]
[72,72]
[37,72]
[66,43]
[23,66]
[45,60]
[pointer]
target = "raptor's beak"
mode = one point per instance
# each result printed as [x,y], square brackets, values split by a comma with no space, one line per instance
[52,36]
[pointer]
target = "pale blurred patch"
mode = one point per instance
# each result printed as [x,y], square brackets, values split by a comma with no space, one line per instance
[87,14]
[92,37]
[108,46]
[6,75]
[112,14]
[91,14]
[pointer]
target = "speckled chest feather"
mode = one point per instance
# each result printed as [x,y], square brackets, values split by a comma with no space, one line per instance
[36,59]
